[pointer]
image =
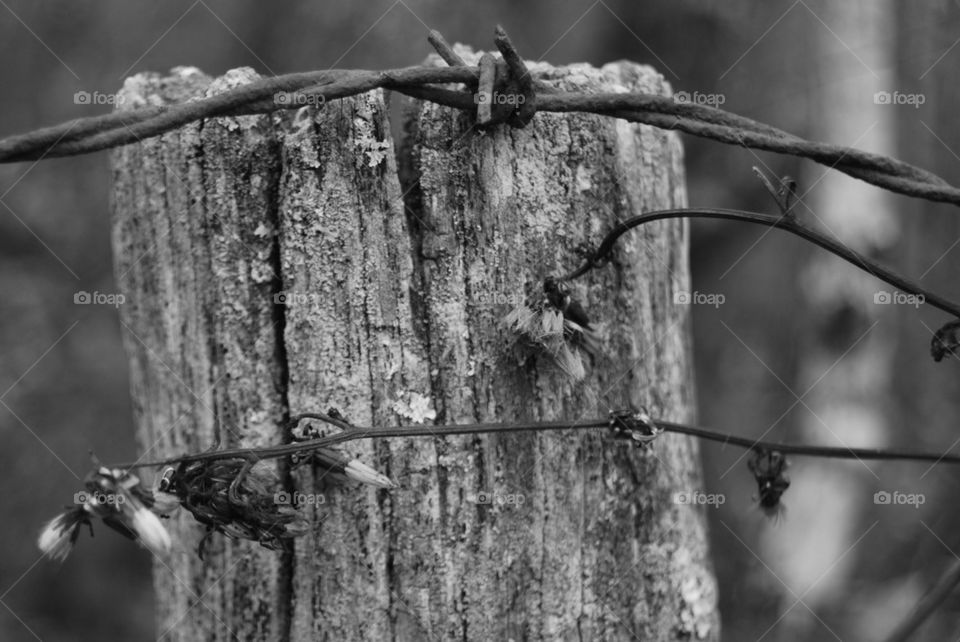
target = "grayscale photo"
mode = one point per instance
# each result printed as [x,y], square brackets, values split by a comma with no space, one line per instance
[424,321]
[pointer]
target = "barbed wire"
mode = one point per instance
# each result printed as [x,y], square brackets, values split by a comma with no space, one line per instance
[123,127]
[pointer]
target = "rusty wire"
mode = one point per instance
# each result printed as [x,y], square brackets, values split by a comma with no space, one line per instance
[95,133]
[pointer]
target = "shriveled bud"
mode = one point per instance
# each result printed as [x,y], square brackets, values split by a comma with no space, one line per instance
[231,498]
[359,471]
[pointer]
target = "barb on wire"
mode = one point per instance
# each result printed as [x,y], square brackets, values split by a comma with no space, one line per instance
[518,75]
[96,133]
[486,88]
[443,48]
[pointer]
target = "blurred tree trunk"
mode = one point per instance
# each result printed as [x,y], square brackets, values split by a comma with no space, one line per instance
[844,354]
[928,393]
[394,283]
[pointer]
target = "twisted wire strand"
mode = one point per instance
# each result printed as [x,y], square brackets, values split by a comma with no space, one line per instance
[96,133]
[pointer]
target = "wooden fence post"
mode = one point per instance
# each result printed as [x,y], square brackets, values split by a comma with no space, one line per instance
[294,261]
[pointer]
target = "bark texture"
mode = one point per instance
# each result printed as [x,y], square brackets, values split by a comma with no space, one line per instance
[296,261]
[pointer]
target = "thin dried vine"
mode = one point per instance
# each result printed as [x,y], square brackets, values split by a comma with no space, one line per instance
[787,223]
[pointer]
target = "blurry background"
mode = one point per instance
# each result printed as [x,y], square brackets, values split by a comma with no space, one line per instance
[799,350]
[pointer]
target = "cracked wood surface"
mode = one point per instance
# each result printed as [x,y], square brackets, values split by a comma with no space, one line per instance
[305,259]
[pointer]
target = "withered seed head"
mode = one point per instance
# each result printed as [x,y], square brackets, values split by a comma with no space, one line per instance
[552,321]
[769,470]
[117,498]
[250,512]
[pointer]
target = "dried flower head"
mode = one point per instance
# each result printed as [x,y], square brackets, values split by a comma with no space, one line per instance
[117,498]
[238,499]
[552,321]
[946,341]
[769,469]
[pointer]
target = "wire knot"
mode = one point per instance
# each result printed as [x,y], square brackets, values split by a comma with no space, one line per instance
[635,425]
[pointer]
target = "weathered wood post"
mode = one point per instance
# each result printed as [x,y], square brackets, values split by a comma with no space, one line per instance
[295,261]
